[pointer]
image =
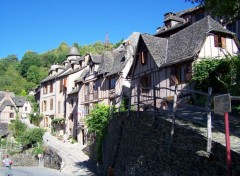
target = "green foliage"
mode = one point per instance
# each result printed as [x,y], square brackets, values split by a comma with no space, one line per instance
[36,118]
[97,118]
[38,149]
[56,122]
[97,121]
[220,74]
[124,104]
[18,128]
[32,136]
[34,104]
[229,9]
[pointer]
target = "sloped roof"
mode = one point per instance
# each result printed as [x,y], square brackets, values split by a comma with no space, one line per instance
[49,78]
[74,91]
[19,101]
[186,43]
[83,74]
[157,48]
[5,103]
[96,58]
[73,51]
[175,18]
[115,61]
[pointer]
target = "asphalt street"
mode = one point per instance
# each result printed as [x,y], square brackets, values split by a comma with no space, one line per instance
[32,171]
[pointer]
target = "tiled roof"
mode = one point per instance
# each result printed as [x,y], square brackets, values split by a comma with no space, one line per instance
[19,101]
[5,103]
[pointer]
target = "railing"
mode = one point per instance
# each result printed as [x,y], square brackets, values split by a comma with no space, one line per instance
[91,97]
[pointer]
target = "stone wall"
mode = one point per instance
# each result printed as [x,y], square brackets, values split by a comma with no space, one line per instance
[52,159]
[143,146]
[3,129]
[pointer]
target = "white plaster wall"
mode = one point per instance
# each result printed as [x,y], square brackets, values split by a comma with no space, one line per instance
[209,50]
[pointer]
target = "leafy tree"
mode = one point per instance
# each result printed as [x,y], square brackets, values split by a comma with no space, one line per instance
[220,74]
[229,9]
[35,74]
[97,121]
[30,58]
[18,128]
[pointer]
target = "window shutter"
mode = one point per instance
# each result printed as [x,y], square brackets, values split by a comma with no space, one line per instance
[61,85]
[188,72]
[216,40]
[173,78]
[65,82]
[223,41]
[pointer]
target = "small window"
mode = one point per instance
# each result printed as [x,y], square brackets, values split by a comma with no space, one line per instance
[25,108]
[59,106]
[219,41]
[61,85]
[45,89]
[112,83]
[51,87]
[11,115]
[87,90]
[145,81]
[51,104]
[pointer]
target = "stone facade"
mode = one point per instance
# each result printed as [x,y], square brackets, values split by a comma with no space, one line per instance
[143,146]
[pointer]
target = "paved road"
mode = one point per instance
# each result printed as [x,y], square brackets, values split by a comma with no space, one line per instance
[32,171]
[75,161]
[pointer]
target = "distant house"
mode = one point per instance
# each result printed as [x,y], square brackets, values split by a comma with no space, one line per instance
[166,62]
[12,106]
[174,22]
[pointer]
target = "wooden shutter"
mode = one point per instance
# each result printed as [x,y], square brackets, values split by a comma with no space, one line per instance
[188,72]
[61,85]
[65,82]
[216,44]
[173,79]
[51,104]
[223,42]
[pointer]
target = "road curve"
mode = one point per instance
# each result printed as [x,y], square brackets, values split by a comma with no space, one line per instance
[33,171]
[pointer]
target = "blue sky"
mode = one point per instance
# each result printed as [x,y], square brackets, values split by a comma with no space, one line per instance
[41,25]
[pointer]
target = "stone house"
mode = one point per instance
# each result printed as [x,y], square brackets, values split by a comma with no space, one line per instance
[166,62]
[12,106]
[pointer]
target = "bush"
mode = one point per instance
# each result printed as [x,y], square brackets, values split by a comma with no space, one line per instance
[32,136]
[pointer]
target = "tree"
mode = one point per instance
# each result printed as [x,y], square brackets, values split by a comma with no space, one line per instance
[227,9]
[97,121]
[35,74]
[30,58]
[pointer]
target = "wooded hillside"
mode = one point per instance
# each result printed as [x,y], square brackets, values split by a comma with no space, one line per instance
[20,75]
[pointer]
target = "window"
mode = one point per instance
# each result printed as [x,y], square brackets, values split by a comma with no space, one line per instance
[199,16]
[51,104]
[86,109]
[112,83]
[87,91]
[219,41]
[181,74]
[72,102]
[12,108]
[25,108]
[51,87]
[44,106]
[11,115]
[143,57]
[61,85]
[45,89]
[145,81]
[59,106]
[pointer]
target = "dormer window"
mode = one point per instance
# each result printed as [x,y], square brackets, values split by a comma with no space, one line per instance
[219,41]
[72,65]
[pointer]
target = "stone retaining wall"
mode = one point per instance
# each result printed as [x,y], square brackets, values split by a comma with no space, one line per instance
[140,146]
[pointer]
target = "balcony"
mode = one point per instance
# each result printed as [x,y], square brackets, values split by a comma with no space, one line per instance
[91,97]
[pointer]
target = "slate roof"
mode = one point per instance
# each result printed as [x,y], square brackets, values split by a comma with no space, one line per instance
[70,72]
[19,101]
[114,61]
[96,58]
[5,103]
[175,18]
[74,91]
[83,74]
[157,48]
[190,10]
[186,43]
[49,78]
[73,51]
